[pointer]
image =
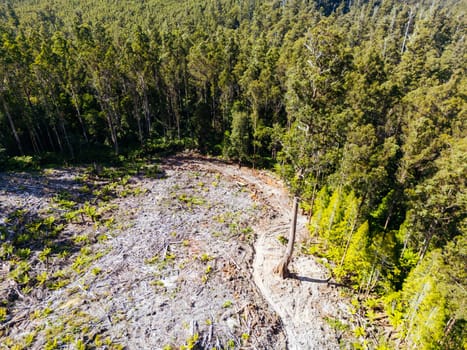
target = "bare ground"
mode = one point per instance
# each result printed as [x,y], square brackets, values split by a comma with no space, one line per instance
[187,263]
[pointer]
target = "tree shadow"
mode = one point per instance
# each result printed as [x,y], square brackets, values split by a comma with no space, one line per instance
[327,281]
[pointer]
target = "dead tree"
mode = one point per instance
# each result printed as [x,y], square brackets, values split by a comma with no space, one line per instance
[282,269]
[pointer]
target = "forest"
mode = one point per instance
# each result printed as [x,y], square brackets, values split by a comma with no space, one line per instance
[360,106]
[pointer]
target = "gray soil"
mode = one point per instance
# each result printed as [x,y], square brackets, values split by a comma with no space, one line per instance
[188,263]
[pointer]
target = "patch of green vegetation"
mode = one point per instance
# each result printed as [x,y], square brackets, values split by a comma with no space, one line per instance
[96,271]
[152,171]
[162,262]
[3,314]
[23,163]
[20,273]
[245,337]
[42,278]
[336,324]
[23,253]
[6,250]
[80,239]
[84,259]
[227,304]
[282,239]
[157,283]
[190,201]
[90,211]
[64,200]
[44,254]
[205,257]
[207,273]
[58,284]
[216,234]
[152,260]
[230,344]
[191,342]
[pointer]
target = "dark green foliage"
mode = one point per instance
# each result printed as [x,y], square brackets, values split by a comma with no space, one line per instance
[240,138]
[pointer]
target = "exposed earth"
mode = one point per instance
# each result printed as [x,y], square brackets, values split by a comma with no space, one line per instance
[179,259]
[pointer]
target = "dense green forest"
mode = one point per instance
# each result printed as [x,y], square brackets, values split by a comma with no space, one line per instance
[359,105]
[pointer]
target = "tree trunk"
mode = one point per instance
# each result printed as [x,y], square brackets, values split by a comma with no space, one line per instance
[107,108]
[12,125]
[65,134]
[426,243]
[406,34]
[449,325]
[35,146]
[282,269]
[113,131]
[145,100]
[312,204]
[74,99]
[57,136]
[51,140]
[138,118]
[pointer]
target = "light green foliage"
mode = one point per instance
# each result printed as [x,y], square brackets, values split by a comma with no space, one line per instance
[334,221]
[42,278]
[356,262]
[425,301]
[191,201]
[20,273]
[84,259]
[230,344]
[191,342]
[90,211]
[430,301]
[3,313]
[336,324]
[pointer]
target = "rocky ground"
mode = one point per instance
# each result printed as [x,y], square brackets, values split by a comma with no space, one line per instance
[178,255]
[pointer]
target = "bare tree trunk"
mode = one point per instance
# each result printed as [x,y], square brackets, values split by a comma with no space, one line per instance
[334,208]
[107,108]
[426,243]
[113,131]
[35,146]
[57,135]
[145,100]
[65,134]
[12,125]
[312,204]
[449,325]
[78,113]
[282,269]
[138,118]
[406,34]
[37,137]
[51,140]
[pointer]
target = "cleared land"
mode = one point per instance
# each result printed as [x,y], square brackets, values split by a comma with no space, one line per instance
[178,255]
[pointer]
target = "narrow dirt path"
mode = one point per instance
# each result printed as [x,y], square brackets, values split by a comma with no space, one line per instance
[307,304]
